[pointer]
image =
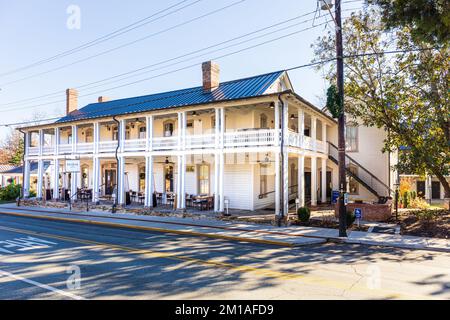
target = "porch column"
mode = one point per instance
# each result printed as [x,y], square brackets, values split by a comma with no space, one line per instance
[217,128]
[96,137]
[222,160]
[41,141]
[277,123]
[324,180]
[285,164]
[26,182]
[314,132]
[149,132]
[221,182]
[56,179]
[216,181]
[40,174]
[96,179]
[301,180]
[56,141]
[74,138]
[121,133]
[149,181]
[73,185]
[313,181]
[181,182]
[301,125]
[277,183]
[121,181]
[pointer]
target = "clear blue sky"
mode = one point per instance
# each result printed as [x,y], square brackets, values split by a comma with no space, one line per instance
[35,30]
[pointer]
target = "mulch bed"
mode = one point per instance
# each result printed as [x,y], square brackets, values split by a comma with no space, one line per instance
[425,223]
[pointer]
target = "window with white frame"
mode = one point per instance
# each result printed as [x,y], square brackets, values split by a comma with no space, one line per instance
[203,178]
[142,132]
[263,121]
[168,128]
[351,138]
[263,172]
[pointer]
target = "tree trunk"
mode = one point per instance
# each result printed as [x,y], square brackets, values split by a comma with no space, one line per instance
[445,184]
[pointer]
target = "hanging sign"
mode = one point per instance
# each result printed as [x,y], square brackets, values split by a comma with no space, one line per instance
[72,165]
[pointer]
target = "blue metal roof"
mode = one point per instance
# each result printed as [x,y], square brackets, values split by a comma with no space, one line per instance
[33,168]
[230,90]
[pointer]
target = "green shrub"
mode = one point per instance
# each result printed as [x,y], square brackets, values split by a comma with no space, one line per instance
[10,192]
[32,194]
[405,199]
[303,214]
[413,195]
[350,218]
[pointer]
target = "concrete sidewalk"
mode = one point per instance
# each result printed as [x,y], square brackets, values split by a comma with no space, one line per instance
[237,231]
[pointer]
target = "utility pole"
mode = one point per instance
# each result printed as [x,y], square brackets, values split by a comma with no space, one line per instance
[326,5]
[341,122]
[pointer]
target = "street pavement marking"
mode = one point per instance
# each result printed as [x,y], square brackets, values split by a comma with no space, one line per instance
[241,268]
[41,285]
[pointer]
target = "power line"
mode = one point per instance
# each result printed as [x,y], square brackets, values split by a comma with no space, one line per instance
[176,70]
[288,69]
[118,32]
[179,57]
[124,45]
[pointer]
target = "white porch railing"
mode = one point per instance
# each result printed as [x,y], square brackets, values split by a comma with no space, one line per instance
[65,149]
[200,141]
[249,138]
[107,146]
[48,150]
[135,145]
[294,140]
[33,151]
[165,143]
[85,147]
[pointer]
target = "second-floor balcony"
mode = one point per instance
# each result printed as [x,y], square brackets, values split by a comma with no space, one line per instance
[231,139]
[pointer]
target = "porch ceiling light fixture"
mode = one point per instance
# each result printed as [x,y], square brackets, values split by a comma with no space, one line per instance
[167,160]
[194,113]
[293,116]
[272,105]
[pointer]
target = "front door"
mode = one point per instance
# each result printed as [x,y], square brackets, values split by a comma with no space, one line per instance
[435,190]
[168,178]
[110,181]
[307,185]
[420,188]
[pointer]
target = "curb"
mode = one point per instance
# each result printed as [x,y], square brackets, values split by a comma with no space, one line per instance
[191,233]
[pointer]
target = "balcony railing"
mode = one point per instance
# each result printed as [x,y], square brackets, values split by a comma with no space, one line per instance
[135,145]
[48,149]
[33,151]
[85,147]
[234,139]
[165,143]
[65,149]
[107,146]
[200,141]
[249,138]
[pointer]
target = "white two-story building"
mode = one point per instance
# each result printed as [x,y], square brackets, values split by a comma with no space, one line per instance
[245,144]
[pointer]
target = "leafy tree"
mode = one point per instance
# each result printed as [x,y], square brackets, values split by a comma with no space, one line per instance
[12,148]
[429,20]
[406,94]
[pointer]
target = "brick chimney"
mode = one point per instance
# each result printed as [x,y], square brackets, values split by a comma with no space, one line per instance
[71,100]
[103,99]
[211,72]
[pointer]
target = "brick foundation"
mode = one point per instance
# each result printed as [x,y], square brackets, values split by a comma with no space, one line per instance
[370,212]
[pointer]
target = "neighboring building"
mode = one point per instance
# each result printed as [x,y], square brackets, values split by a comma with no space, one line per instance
[429,187]
[251,143]
[6,177]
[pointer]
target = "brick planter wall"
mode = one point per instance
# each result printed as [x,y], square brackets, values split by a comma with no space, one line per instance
[370,212]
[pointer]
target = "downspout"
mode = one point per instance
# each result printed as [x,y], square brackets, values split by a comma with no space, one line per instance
[114,207]
[282,160]
[22,190]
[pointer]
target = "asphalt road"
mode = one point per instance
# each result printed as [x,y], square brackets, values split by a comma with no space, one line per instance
[42,259]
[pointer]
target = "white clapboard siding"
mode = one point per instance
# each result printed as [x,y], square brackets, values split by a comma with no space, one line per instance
[238,186]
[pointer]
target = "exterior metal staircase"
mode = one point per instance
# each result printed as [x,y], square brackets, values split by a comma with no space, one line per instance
[363,176]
